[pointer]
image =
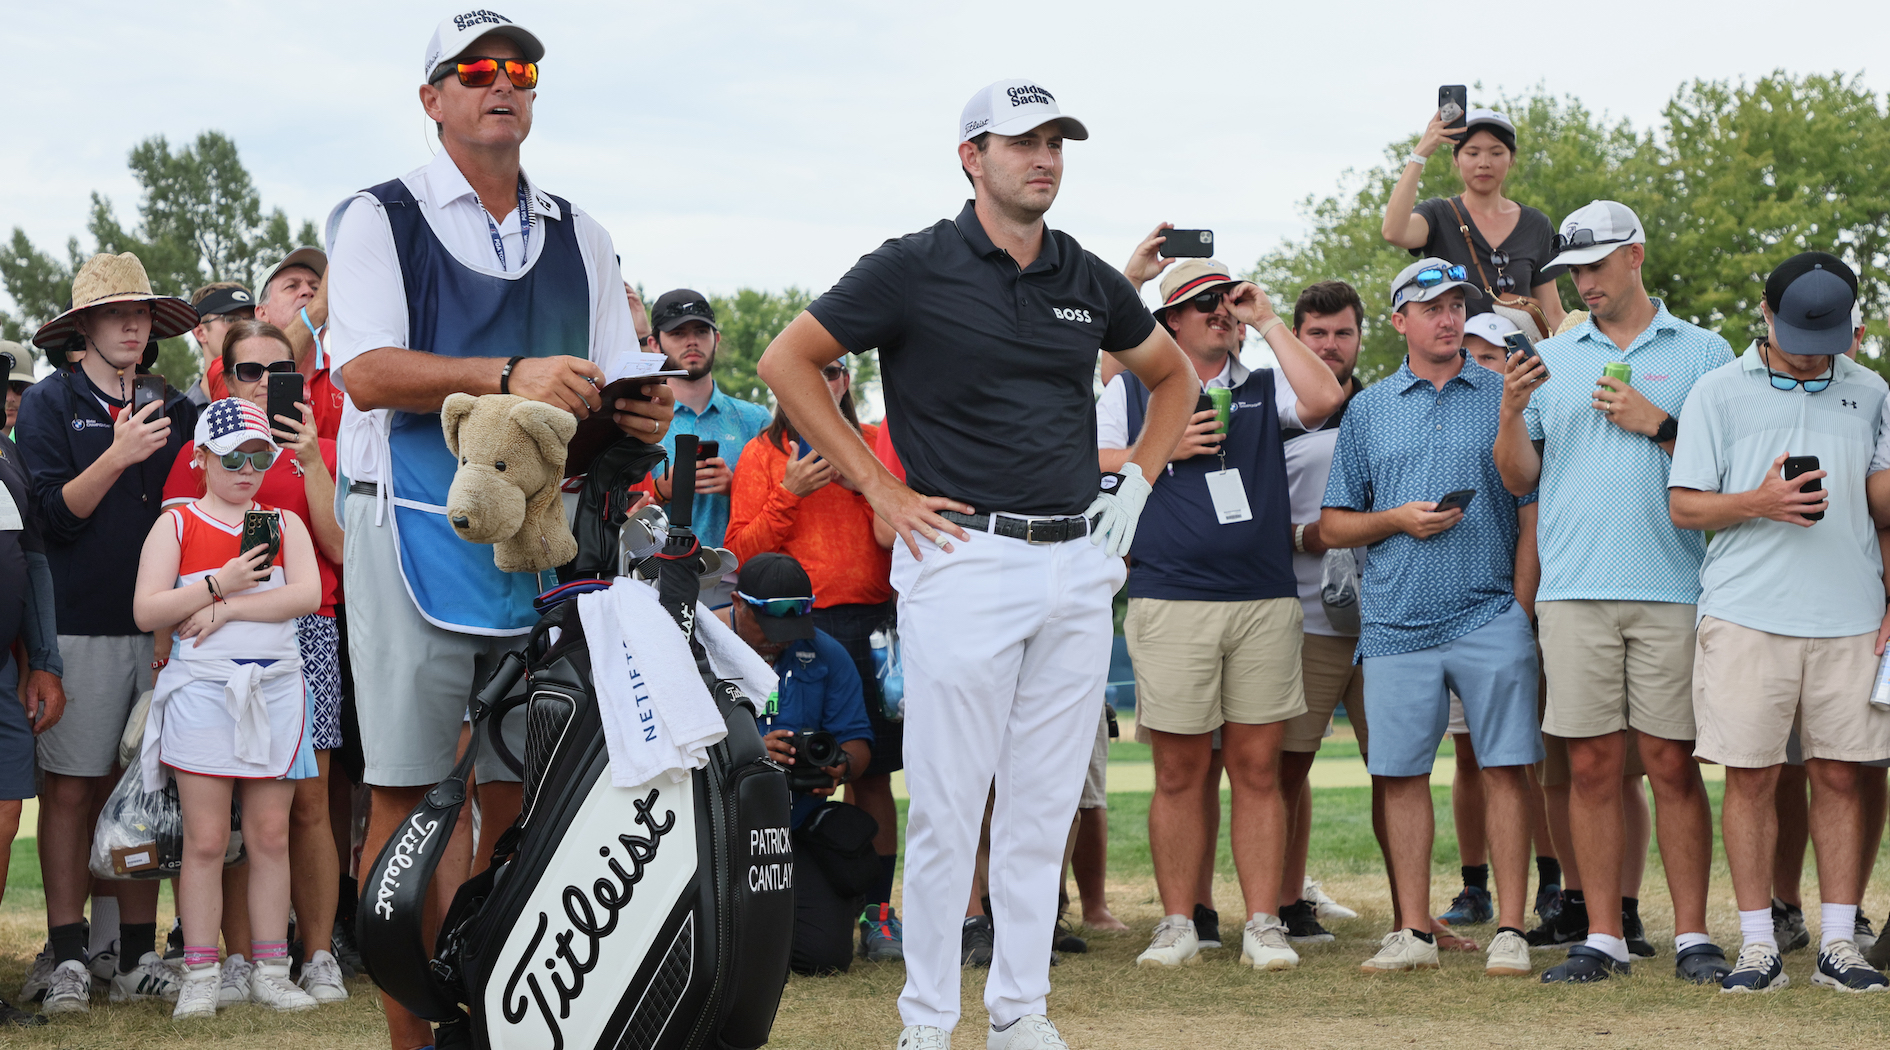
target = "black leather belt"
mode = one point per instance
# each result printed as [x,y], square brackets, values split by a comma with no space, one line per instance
[1030,530]
[363,488]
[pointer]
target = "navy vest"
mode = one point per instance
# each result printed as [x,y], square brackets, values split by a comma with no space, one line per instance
[1181,551]
[455,311]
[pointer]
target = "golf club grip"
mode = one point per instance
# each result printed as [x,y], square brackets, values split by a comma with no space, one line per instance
[682,481]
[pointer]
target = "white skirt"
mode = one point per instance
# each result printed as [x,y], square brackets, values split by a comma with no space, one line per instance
[198,734]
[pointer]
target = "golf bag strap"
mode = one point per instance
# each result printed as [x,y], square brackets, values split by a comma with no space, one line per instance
[389,918]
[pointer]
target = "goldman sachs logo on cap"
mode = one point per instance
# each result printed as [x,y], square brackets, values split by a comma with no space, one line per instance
[1030,95]
[479,17]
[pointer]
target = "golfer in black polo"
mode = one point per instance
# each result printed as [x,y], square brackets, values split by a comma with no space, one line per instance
[988,327]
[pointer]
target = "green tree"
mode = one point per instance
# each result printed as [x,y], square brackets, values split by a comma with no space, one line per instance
[750,319]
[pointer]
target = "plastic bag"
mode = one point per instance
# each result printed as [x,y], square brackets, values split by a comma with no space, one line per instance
[140,834]
[890,672]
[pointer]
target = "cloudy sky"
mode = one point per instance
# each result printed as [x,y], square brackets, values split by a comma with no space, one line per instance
[769,144]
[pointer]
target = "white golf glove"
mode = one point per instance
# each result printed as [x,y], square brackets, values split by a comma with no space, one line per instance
[1112,517]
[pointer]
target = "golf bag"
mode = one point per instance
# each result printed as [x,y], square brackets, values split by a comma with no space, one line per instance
[644,918]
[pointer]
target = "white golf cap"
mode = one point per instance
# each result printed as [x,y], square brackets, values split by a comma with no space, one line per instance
[456,33]
[1491,328]
[1012,107]
[1425,280]
[1594,231]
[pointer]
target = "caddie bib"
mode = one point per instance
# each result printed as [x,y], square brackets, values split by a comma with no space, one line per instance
[542,309]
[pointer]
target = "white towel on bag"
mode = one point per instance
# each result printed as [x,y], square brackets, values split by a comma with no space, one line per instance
[658,716]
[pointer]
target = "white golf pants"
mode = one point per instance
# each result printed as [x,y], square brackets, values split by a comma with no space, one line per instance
[1006,651]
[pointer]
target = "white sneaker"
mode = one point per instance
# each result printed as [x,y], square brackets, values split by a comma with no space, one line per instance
[1030,1032]
[197,994]
[1175,944]
[70,990]
[321,978]
[104,965]
[269,985]
[1403,950]
[152,978]
[234,984]
[1508,956]
[1264,945]
[924,1037]
[39,978]
[1327,908]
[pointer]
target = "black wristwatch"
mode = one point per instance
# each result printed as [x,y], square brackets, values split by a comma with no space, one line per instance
[1668,430]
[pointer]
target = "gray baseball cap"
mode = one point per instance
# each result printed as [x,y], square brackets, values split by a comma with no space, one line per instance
[1811,295]
[1407,288]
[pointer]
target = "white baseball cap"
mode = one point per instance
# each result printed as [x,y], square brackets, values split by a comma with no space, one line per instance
[1491,328]
[1012,107]
[456,33]
[1594,231]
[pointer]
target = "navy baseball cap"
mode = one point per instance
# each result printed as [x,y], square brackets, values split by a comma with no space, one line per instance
[777,590]
[1811,295]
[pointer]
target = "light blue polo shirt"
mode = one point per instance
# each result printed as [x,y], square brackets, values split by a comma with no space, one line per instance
[1825,581]
[1404,440]
[1604,532]
[733,423]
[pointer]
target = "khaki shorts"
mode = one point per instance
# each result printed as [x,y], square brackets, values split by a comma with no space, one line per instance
[1751,687]
[1329,678]
[1199,664]
[1612,665]
[1096,780]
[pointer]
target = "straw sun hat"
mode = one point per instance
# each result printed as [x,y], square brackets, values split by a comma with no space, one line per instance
[114,279]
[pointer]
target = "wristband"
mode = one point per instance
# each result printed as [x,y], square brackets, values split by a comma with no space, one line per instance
[1267,327]
[1414,158]
[1299,538]
[158,665]
[505,376]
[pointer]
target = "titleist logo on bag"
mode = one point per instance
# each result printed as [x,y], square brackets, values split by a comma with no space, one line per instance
[593,916]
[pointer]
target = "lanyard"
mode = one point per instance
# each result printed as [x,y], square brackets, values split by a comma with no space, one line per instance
[524,227]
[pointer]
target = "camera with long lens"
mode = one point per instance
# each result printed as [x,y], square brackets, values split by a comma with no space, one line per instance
[814,750]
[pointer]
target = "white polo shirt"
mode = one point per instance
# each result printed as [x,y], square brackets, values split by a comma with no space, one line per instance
[367,301]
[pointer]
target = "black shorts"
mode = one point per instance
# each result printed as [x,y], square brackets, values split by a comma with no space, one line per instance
[853,626]
[347,758]
[16,735]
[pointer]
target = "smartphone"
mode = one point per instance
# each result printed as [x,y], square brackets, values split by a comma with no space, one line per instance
[707,450]
[262,527]
[144,390]
[1457,500]
[1187,244]
[801,448]
[285,392]
[1796,465]
[1204,403]
[1452,102]
[1518,343]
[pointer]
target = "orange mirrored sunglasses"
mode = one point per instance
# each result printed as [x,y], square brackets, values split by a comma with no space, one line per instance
[476,72]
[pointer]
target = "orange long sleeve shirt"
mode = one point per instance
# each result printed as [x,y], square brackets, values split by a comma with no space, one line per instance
[829,531]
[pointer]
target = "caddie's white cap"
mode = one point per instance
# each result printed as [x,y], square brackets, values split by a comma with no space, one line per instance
[1594,231]
[1491,328]
[456,33]
[1012,107]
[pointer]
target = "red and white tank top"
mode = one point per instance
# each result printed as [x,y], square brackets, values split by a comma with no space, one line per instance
[205,545]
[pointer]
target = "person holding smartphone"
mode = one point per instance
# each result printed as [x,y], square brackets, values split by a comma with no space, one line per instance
[302,482]
[1504,247]
[1437,605]
[1792,619]
[685,333]
[98,470]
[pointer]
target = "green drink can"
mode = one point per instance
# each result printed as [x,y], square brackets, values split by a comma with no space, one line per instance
[1618,370]
[1223,399]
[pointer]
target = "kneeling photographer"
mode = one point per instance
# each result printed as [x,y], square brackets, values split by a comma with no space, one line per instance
[817,727]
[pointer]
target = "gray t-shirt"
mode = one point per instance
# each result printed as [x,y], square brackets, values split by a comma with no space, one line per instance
[1825,581]
[1529,246]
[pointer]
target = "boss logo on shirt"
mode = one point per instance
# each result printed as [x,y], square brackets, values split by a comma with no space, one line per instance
[1071,314]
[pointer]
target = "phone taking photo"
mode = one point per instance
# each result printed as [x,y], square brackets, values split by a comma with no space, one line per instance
[1452,103]
[1457,500]
[285,392]
[1796,465]
[1187,244]
[144,390]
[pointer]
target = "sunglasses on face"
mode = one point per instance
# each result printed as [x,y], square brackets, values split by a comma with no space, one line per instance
[253,371]
[1586,239]
[832,372]
[778,606]
[476,71]
[262,461]
[1209,301]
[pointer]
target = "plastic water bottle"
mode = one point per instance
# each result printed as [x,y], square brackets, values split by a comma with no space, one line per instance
[892,679]
[1880,691]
